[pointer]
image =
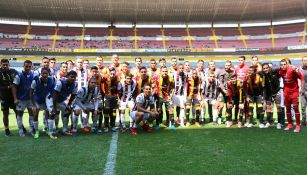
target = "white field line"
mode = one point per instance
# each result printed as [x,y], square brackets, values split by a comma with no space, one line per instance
[109,168]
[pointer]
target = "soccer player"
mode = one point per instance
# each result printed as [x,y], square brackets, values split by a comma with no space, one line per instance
[179,97]
[187,68]
[254,96]
[125,69]
[144,110]
[162,63]
[152,71]
[57,101]
[272,94]
[40,87]
[164,86]
[210,91]
[62,73]
[138,64]
[173,68]
[52,66]
[303,69]
[21,90]
[242,70]
[6,82]
[82,74]
[235,94]
[142,79]
[127,95]
[44,64]
[86,101]
[70,65]
[109,86]
[290,76]
[86,64]
[193,98]
[115,63]
[256,64]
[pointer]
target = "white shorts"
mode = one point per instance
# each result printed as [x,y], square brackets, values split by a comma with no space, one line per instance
[41,106]
[23,104]
[60,106]
[88,106]
[127,104]
[179,100]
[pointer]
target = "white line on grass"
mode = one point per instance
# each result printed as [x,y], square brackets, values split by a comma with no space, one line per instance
[109,168]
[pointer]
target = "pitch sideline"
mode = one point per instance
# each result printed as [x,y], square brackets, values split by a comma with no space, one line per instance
[111,161]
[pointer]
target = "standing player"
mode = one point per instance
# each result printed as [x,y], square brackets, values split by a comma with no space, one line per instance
[21,90]
[40,87]
[235,94]
[52,66]
[57,101]
[272,94]
[109,86]
[164,87]
[126,90]
[152,71]
[62,73]
[70,65]
[254,96]
[115,63]
[144,110]
[138,64]
[290,76]
[6,97]
[179,98]
[304,91]
[86,101]
[193,98]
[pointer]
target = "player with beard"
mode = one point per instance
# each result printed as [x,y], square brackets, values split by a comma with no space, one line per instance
[152,71]
[164,86]
[290,76]
[193,98]
[235,93]
[254,96]
[178,99]
[110,95]
[173,69]
[86,101]
[144,110]
[57,101]
[6,82]
[272,94]
[21,90]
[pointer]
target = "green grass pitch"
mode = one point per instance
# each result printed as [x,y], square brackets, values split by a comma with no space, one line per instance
[206,150]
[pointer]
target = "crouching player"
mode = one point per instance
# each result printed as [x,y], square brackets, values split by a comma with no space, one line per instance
[143,110]
[57,101]
[86,101]
[40,87]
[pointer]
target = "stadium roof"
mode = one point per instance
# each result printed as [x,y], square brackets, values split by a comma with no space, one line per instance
[154,11]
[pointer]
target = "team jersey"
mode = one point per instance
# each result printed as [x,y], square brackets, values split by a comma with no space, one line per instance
[135,71]
[241,72]
[82,77]
[61,75]
[180,83]
[42,89]
[271,83]
[290,78]
[109,86]
[6,79]
[126,91]
[152,73]
[172,71]
[23,84]
[210,90]
[64,90]
[193,87]
[38,71]
[84,96]
[164,86]
[304,72]
[141,82]
[235,91]
[145,102]
[254,85]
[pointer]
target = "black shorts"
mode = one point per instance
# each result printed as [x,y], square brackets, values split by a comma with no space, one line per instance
[110,102]
[7,104]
